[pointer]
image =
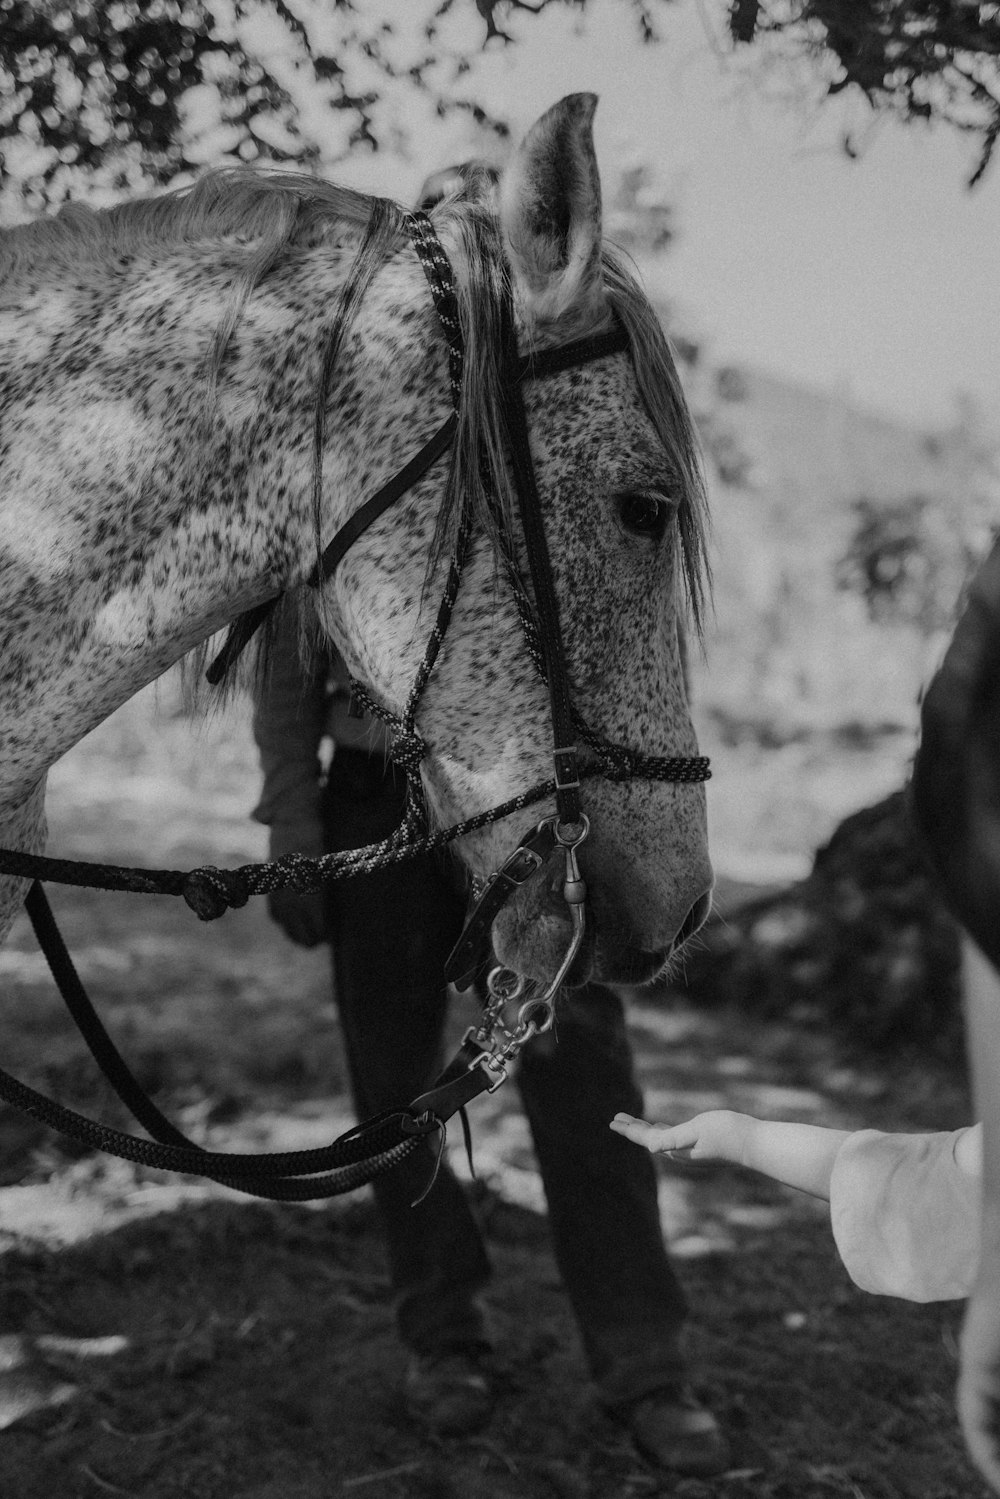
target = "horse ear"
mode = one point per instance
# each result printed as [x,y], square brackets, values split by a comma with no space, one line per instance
[550,216]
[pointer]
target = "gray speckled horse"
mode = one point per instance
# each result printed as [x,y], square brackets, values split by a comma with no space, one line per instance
[196,391]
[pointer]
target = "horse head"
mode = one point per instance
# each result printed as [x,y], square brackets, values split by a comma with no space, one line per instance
[622,503]
[199,389]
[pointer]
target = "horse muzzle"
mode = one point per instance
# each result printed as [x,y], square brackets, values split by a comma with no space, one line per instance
[532,930]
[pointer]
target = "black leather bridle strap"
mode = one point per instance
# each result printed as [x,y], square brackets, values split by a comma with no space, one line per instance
[520,367]
[437,269]
[242,631]
[238,637]
[370,511]
[539,564]
[565,356]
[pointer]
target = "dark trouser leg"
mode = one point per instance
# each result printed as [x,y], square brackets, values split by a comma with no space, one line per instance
[390,934]
[601,1194]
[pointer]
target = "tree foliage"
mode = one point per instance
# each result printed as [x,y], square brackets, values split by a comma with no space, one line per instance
[131,93]
[910,560]
[136,92]
[903,570]
[918,59]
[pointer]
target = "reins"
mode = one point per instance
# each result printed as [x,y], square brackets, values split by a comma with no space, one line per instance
[481,1061]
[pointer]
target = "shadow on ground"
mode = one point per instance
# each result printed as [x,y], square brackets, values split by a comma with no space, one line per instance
[261,1363]
[251,1351]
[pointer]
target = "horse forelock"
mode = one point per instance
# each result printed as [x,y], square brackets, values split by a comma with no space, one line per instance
[479,469]
[478,476]
[667,407]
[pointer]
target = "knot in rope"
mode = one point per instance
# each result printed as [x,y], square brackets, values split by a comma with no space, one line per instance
[210,892]
[408,749]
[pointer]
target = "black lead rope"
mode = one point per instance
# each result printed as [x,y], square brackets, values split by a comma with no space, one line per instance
[355,1158]
[90,1025]
[242,630]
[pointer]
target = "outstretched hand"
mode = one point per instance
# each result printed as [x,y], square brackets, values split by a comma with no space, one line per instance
[714,1136]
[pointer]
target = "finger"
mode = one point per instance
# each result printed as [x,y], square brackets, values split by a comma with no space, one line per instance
[671,1139]
[634,1129]
[655,1137]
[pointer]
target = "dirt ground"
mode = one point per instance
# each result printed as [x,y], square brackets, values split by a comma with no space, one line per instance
[246,1351]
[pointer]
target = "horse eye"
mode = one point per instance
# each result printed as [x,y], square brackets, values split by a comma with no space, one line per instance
[643,513]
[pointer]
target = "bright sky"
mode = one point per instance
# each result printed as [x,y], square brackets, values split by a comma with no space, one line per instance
[880,276]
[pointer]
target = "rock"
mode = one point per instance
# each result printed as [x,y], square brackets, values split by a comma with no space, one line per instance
[864,943]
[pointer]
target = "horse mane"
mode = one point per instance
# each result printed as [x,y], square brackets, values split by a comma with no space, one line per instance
[246,203]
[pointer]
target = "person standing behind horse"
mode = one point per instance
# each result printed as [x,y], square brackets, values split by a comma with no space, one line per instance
[389,936]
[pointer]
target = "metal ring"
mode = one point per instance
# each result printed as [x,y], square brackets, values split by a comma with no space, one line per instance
[571,837]
[526,1017]
[507,994]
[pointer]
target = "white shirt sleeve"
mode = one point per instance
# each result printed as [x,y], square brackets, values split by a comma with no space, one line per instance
[905,1215]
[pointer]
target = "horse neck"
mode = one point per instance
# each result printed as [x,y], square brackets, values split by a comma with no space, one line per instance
[141,510]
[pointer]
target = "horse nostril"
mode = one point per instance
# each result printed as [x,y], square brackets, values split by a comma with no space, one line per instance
[695,918]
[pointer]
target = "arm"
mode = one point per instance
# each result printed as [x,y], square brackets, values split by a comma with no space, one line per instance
[981,990]
[956,803]
[288,724]
[979,1381]
[799,1155]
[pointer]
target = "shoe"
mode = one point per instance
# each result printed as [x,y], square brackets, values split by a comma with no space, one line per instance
[672,1430]
[448,1393]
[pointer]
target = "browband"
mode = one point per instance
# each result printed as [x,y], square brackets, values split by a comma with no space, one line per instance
[581,351]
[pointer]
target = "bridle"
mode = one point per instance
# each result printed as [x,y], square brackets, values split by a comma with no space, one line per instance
[481,1061]
[569,826]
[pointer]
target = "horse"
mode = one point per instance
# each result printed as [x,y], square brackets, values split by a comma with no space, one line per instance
[197,389]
